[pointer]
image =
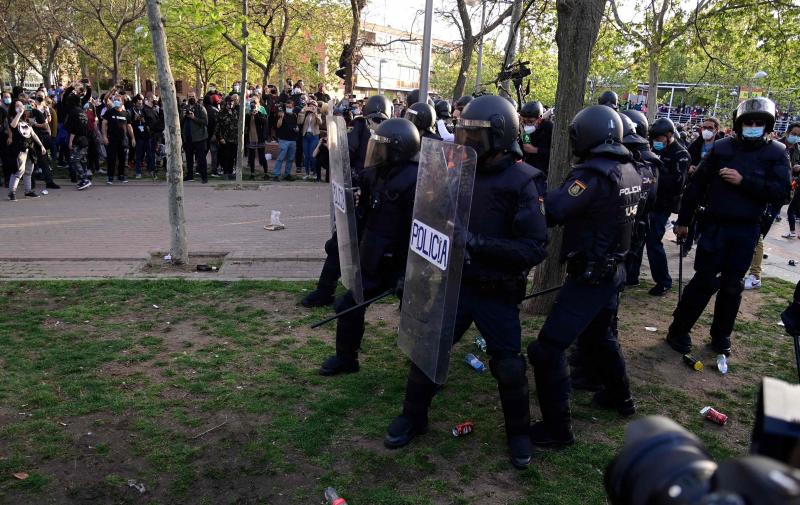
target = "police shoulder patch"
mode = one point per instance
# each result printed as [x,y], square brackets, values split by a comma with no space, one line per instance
[576,188]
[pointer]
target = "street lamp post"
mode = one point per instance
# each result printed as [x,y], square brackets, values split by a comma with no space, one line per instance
[380,75]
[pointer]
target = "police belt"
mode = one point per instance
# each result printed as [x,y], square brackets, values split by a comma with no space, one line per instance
[592,272]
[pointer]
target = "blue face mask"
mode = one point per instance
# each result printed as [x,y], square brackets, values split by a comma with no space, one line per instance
[793,139]
[117,104]
[752,132]
[7,101]
[658,146]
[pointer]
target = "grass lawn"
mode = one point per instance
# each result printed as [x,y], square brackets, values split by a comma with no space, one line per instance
[207,393]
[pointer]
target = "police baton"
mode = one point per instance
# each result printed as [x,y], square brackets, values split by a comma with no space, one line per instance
[354,307]
[543,292]
[680,268]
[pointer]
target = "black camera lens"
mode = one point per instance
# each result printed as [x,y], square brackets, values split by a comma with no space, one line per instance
[660,464]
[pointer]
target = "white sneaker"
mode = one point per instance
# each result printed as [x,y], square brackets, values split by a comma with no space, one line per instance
[752,282]
[790,234]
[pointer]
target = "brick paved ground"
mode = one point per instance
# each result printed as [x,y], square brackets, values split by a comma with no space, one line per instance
[110,231]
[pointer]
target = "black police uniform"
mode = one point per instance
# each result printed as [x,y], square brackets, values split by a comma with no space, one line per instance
[731,226]
[597,206]
[541,138]
[357,141]
[674,165]
[649,166]
[508,236]
[383,247]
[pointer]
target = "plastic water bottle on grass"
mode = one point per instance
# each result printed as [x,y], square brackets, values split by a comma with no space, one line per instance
[474,363]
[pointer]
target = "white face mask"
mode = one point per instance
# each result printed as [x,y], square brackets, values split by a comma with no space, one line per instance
[529,129]
[708,134]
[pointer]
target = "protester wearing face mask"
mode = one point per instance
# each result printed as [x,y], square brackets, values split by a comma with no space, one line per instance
[195,136]
[24,145]
[709,133]
[536,136]
[736,182]
[5,159]
[117,131]
[226,133]
[675,166]
[43,121]
[792,142]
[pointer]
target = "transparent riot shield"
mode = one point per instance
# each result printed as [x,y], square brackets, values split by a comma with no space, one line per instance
[436,255]
[344,206]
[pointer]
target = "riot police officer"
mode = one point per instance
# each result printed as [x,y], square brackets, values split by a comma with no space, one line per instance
[377,109]
[444,120]
[597,205]
[675,162]
[609,99]
[507,237]
[387,185]
[460,104]
[413,97]
[649,166]
[423,117]
[536,136]
[737,180]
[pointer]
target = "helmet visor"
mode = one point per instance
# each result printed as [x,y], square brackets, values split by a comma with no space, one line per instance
[475,133]
[413,116]
[377,152]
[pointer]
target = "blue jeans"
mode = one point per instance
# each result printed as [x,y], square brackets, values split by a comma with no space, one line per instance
[285,157]
[655,249]
[309,144]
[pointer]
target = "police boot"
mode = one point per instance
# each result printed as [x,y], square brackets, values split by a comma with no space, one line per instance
[512,384]
[326,286]
[694,300]
[726,308]
[336,365]
[616,394]
[552,388]
[414,419]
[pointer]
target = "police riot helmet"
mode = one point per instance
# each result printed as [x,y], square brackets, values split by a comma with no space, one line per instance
[422,115]
[393,142]
[609,99]
[661,126]
[413,98]
[630,134]
[489,124]
[443,109]
[755,109]
[463,101]
[377,106]
[640,120]
[532,109]
[597,129]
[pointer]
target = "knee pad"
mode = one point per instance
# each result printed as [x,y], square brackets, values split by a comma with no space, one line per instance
[331,246]
[541,353]
[508,370]
[731,286]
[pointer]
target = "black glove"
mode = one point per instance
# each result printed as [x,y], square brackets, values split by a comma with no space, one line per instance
[398,289]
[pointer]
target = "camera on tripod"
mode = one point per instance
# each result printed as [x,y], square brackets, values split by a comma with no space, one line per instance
[514,72]
[663,464]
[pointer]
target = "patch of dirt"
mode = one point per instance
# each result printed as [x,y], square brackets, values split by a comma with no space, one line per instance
[157,265]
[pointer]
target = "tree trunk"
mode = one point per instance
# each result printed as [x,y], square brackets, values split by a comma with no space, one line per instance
[179,248]
[355,30]
[652,85]
[511,46]
[578,26]
[466,58]
[115,68]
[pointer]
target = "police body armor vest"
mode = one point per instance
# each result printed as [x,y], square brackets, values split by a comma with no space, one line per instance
[496,202]
[387,225]
[727,202]
[611,230]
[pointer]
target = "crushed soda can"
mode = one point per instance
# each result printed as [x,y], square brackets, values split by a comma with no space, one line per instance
[462,429]
[480,343]
[695,364]
[714,415]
